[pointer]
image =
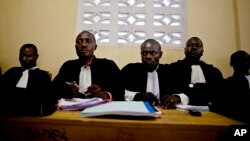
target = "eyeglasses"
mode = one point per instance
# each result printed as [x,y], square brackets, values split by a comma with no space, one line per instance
[144,53]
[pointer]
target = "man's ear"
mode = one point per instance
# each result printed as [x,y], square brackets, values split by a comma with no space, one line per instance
[231,64]
[95,47]
[160,55]
[185,50]
[202,52]
[37,56]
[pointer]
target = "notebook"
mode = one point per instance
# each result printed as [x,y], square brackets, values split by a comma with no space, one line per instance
[122,108]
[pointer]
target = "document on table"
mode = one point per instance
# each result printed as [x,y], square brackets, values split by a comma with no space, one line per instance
[79,103]
[192,107]
[122,108]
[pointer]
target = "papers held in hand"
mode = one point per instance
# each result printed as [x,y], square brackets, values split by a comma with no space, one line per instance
[79,103]
[122,108]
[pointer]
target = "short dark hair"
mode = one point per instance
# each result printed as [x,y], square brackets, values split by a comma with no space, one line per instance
[85,31]
[194,38]
[239,57]
[29,46]
[153,41]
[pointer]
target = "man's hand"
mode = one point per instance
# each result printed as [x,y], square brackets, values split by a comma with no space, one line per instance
[96,91]
[169,101]
[148,96]
[73,86]
[103,95]
[93,89]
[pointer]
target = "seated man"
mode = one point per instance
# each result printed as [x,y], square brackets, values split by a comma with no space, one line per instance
[193,81]
[146,81]
[27,90]
[233,101]
[88,76]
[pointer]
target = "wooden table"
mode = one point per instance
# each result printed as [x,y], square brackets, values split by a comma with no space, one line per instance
[173,125]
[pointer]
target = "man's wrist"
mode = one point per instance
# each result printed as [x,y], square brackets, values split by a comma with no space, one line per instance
[177,98]
[109,95]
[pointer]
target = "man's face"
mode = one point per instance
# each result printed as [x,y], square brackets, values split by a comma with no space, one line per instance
[150,54]
[28,58]
[194,49]
[246,63]
[85,45]
[242,63]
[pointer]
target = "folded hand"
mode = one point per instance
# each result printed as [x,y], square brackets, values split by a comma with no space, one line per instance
[148,96]
[96,91]
[169,101]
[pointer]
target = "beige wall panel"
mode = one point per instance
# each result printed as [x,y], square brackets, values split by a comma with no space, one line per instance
[244,24]
[51,25]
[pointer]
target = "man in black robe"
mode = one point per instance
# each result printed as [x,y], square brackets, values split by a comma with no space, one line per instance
[27,90]
[146,81]
[88,76]
[235,95]
[193,81]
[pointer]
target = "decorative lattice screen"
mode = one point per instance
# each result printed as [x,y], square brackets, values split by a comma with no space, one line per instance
[133,21]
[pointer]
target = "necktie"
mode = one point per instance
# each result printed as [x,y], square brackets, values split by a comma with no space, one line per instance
[23,81]
[153,83]
[197,75]
[84,78]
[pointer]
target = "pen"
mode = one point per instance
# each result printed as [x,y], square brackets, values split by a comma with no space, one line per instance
[69,83]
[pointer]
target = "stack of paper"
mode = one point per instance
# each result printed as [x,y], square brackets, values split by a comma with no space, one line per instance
[192,107]
[79,103]
[122,108]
